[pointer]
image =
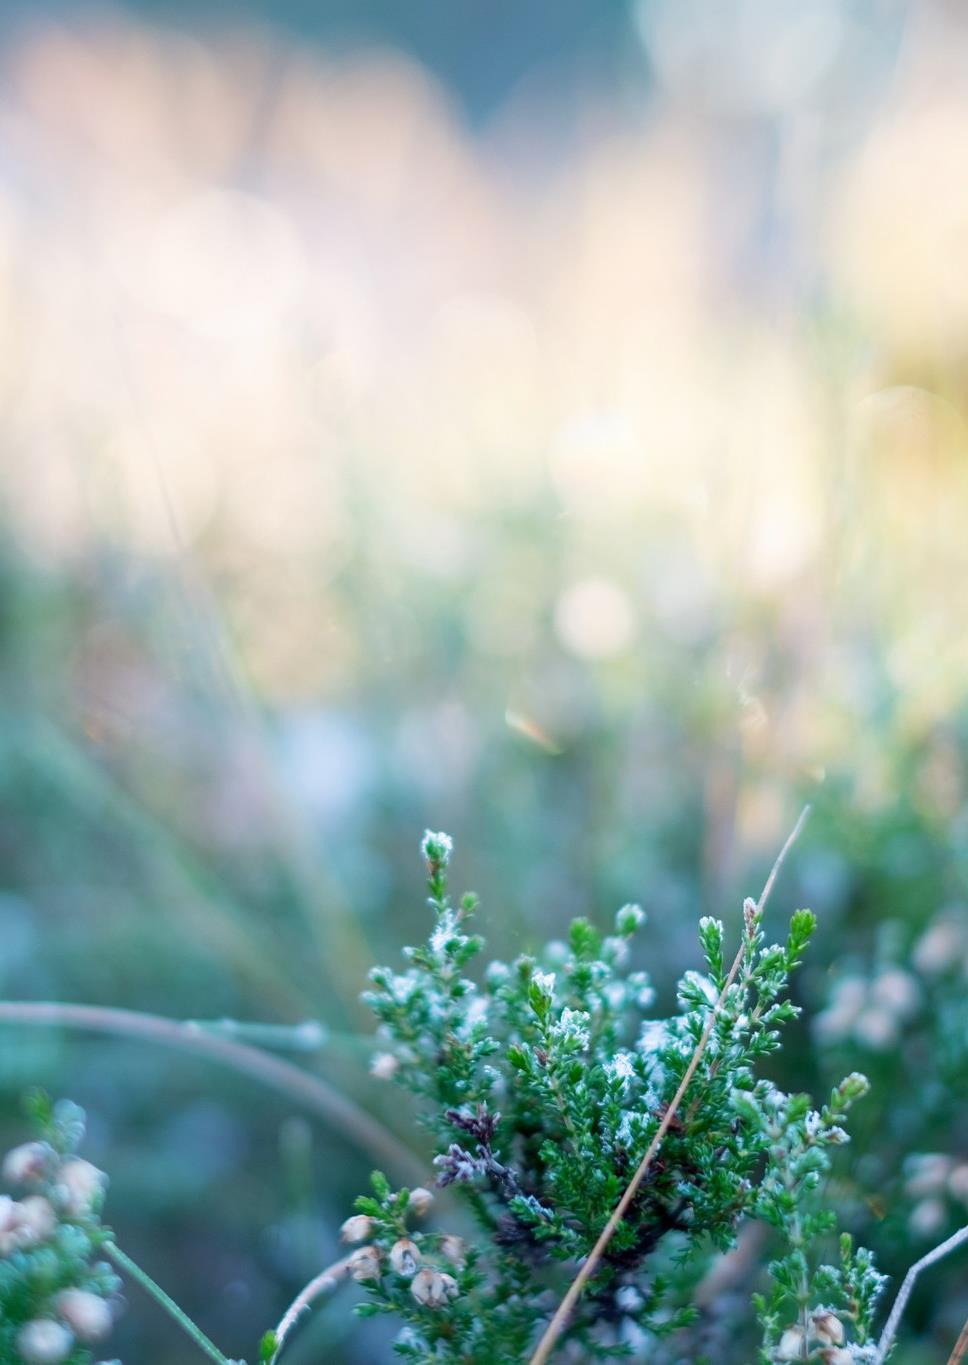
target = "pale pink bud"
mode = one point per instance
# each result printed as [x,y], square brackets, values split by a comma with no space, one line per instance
[420,1201]
[364,1264]
[405,1256]
[449,1285]
[27,1164]
[452,1249]
[827,1328]
[426,1288]
[384,1066]
[928,1171]
[837,1355]
[927,1218]
[43,1342]
[432,1288]
[791,1344]
[79,1185]
[86,1314]
[356,1229]
[9,1225]
[37,1219]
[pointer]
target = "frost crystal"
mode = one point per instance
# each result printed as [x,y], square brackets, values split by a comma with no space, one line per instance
[443,931]
[620,1068]
[436,848]
[572,1027]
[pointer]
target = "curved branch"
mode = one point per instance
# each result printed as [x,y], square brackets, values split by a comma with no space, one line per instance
[310,1092]
[904,1293]
[321,1284]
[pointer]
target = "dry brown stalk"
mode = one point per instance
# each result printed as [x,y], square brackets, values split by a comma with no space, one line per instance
[937,1253]
[321,1284]
[961,1347]
[560,1319]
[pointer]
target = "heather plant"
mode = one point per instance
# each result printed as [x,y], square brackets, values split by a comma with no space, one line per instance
[598,1169]
[547,1092]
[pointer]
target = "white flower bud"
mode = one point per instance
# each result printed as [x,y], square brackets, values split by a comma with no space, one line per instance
[449,1285]
[791,1344]
[896,990]
[9,1213]
[876,1028]
[37,1220]
[364,1264]
[11,1226]
[938,948]
[86,1314]
[827,1328]
[384,1066]
[452,1249]
[27,1164]
[405,1256]
[356,1229]
[43,1342]
[432,1288]
[79,1186]
[420,1201]
[927,1173]
[927,1218]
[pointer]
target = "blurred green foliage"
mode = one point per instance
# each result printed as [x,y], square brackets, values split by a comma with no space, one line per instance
[359,478]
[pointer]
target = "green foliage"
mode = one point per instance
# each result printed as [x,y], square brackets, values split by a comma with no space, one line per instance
[543,1087]
[798,1140]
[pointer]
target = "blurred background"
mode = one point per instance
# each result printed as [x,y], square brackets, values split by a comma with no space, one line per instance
[544,423]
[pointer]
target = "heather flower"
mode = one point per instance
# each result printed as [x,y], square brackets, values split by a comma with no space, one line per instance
[44,1342]
[433,1288]
[827,1327]
[364,1264]
[28,1164]
[79,1186]
[359,1228]
[384,1066]
[452,1249]
[420,1201]
[86,1314]
[404,1256]
[791,1344]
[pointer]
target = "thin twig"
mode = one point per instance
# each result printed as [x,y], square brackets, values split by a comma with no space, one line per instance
[961,1346]
[904,1293]
[325,1281]
[309,1091]
[558,1322]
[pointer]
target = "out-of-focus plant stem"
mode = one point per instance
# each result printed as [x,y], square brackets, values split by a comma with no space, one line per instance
[132,1269]
[309,1091]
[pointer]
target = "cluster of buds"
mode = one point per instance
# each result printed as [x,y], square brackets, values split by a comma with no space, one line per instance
[431,1286]
[933,1179]
[56,1189]
[824,1330]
